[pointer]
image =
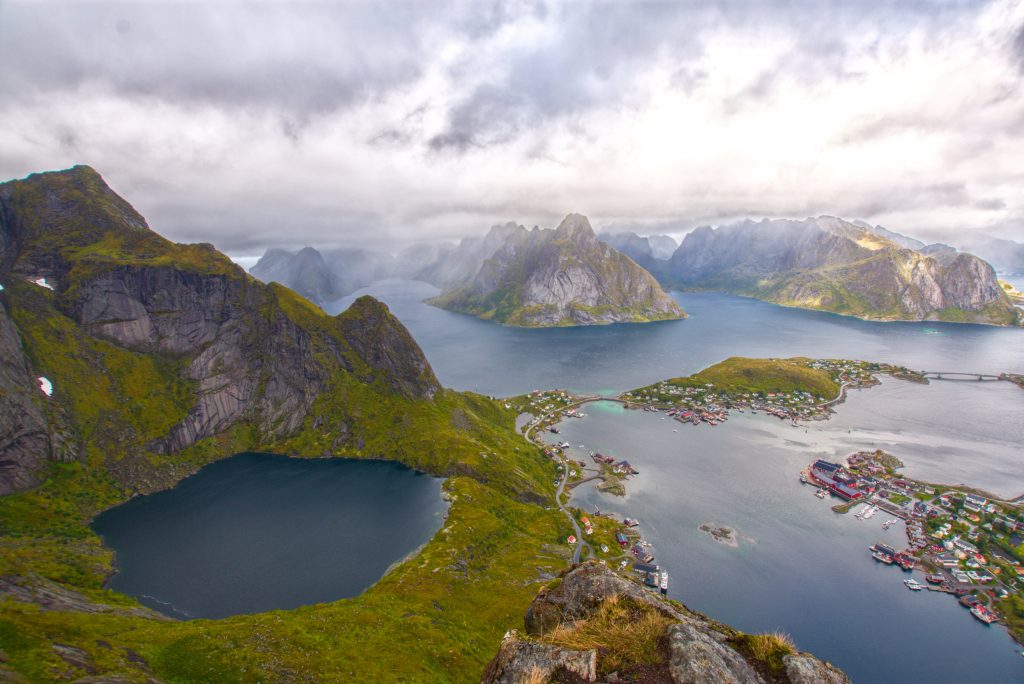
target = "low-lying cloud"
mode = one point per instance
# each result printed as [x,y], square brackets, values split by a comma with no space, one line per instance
[280,124]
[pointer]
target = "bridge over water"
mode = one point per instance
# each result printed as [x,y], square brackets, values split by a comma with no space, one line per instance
[956,375]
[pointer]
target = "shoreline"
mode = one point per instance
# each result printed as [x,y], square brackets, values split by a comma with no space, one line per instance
[555,416]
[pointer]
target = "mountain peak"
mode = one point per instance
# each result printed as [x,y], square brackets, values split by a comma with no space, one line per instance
[388,348]
[574,227]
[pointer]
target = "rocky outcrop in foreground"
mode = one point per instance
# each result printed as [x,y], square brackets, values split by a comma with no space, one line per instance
[561,277]
[595,626]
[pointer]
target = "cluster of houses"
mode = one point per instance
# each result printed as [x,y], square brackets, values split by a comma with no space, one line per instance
[974,545]
[617,467]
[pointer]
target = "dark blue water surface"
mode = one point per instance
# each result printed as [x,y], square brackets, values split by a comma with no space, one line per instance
[257,532]
[471,354]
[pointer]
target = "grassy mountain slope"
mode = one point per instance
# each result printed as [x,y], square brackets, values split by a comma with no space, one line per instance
[128,341]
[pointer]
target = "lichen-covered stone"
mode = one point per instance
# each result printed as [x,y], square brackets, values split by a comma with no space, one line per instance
[527,662]
[700,656]
[806,669]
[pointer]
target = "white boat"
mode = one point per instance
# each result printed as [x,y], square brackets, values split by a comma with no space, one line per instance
[913,584]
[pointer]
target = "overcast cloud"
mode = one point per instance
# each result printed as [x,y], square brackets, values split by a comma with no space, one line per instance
[281,124]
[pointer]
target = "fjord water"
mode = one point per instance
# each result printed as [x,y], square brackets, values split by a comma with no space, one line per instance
[802,568]
[471,354]
[257,532]
[799,567]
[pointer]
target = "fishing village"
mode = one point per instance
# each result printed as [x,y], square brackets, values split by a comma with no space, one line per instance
[963,542]
[959,541]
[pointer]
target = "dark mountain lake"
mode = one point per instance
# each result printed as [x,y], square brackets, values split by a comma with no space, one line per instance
[257,532]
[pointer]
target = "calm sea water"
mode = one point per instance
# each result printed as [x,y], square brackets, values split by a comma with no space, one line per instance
[471,354]
[802,568]
[799,567]
[257,532]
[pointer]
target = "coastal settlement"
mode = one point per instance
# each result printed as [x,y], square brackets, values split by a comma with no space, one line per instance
[967,543]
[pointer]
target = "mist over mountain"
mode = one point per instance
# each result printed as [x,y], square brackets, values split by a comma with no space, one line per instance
[1006,256]
[831,264]
[650,252]
[565,276]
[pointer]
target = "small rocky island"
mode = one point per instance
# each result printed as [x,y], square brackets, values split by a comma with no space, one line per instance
[560,277]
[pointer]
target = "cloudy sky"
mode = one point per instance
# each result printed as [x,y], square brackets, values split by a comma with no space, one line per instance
[249,125]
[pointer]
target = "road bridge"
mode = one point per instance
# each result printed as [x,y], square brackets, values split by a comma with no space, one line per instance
[957,375]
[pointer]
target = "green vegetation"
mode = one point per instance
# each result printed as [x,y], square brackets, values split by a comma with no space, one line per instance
[766,650]
[873,285]
[899,499]
[626,633]
[439,615]
[446,608]
[761,376]
[79,229]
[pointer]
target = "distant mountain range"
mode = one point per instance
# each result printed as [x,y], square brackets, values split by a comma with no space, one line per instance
[565,276]
[1006,256]
[835,265]
[648,251]
[848,267]
[324,276]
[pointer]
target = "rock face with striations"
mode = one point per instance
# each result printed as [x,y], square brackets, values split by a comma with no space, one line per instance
[250,353]
[540,278]
[691,649]
[830,264]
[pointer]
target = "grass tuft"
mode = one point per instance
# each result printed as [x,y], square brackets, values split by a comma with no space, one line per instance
[767,649]
[626,635]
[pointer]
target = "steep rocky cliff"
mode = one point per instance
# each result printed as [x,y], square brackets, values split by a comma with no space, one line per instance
[827,263]
[246,352]
[560,277]
[592,625]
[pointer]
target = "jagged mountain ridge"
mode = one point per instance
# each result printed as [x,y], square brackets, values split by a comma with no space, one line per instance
[830,264]
[243,348]
[323,276]
[564,276]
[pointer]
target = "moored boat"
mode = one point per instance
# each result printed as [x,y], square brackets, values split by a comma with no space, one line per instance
[983,613]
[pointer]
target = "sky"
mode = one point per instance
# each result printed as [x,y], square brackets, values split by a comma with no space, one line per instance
[251,125]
